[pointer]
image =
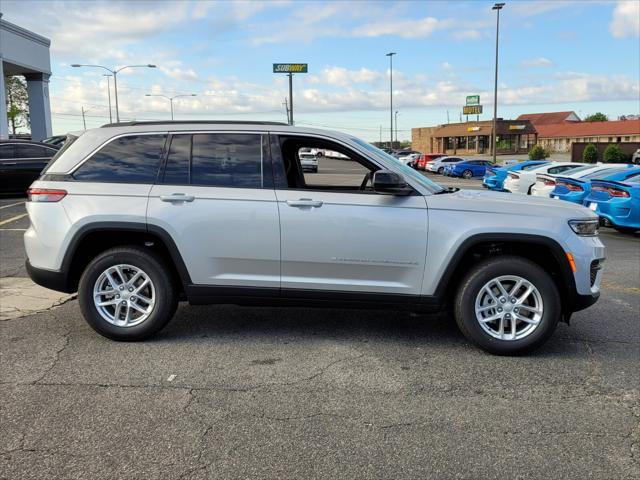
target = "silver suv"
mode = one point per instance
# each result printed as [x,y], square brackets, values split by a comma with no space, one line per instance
[137,216]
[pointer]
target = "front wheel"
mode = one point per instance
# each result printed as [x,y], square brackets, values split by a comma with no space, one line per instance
[467,174]
[127,294]
[441,170]
[507,305]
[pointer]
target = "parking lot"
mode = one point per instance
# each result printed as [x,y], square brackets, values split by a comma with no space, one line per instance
[241,392]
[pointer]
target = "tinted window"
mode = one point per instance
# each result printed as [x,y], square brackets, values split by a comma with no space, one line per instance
[32,151]
[227,160]
[554,170]
[6,151]
[133,159]
[176,170]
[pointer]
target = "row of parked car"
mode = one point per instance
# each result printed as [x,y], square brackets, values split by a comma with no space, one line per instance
[21,162]
[610,190]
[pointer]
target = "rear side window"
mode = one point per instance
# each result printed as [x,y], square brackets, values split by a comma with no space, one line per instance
[32,151]
[176,171]
[227,160]
[132,159]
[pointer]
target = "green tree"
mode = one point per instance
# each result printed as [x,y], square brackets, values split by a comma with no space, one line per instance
[596,117]
[590,154]
[538,152]
[17,102]
[614,154]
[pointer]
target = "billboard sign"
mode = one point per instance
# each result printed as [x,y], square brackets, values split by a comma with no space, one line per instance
[290,67]
[472,110]
[473,99]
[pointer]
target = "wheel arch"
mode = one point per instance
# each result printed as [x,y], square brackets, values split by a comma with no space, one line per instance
[542,250]
[92,239]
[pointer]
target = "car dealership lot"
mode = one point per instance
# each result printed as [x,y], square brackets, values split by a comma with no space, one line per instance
[229,391]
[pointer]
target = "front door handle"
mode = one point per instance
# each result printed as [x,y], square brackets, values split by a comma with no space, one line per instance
[177,197]
[304,202]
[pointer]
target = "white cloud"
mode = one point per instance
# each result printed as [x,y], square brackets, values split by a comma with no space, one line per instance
[626,19]
[403,28]
[536,62]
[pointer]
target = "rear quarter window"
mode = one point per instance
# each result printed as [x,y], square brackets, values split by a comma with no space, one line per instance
[130,159]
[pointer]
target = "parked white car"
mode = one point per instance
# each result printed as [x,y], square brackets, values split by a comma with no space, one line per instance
[546,182]
[309,162]
[437,166]
[522,181]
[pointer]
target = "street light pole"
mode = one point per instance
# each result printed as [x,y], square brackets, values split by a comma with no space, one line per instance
[109,94]
[396,126]
[497,7]
[114,72]
[390,55]
[290,98]
[170,99]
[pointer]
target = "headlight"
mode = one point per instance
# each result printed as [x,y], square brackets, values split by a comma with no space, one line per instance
[585,228]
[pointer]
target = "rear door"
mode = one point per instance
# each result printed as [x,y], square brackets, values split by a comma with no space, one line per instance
[215,198]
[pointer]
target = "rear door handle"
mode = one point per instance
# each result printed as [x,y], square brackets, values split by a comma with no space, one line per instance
[304,202]
[177,197]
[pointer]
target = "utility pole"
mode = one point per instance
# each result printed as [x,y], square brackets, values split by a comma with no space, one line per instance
[286,108]
[380,136]
[447,116]
[497,7]
[84,122]
[390,55]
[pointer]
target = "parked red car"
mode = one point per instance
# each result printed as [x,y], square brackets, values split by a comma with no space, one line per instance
[421,162]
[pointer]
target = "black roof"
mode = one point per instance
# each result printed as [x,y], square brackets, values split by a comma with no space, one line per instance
[190,122]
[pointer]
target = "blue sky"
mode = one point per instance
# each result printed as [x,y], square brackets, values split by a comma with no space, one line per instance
[554,55]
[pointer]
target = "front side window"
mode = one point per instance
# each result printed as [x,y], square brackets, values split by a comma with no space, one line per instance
[131,159]
[32,151]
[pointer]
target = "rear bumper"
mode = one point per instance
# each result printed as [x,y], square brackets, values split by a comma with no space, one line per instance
[51,279]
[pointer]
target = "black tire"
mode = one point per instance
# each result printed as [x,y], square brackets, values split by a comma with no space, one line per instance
[464,305]
[163,281]
[467,174]
[441,170]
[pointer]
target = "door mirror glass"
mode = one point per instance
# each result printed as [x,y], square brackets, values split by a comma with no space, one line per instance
[388,182]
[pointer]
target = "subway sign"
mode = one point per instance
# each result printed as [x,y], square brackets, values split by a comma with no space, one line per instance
[290,67]
[472,110]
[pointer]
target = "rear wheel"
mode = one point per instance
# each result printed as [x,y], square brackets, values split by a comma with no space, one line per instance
[127,293]
[507,305]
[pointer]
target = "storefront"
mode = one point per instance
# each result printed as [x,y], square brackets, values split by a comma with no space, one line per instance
[475,137]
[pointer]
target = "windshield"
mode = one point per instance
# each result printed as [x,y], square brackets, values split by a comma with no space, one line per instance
[405,169]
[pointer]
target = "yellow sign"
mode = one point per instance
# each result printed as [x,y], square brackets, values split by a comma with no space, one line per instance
[472,110]
[473,129]
[517,127]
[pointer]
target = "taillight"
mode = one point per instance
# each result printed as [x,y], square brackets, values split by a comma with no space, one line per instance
[45,195]
[570,186]
[548,182]
[614,192]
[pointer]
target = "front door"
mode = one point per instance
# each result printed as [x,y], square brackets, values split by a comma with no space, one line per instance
[338,235]
[212,199]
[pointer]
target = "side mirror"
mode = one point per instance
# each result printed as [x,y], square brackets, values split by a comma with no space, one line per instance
[392,183]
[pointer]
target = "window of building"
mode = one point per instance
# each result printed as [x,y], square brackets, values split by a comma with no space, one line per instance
[131,159]
[472,143]
[227,160]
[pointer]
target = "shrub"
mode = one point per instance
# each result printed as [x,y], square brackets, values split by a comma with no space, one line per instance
[538,152]
[613,154]
[590,154]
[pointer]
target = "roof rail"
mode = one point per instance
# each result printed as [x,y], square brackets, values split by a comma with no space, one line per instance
[191,122]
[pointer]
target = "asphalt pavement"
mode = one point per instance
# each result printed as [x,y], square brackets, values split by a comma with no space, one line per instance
[240,392]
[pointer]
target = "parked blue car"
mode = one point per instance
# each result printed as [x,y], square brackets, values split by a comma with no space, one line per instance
[577,189]
[494,176]
[617,203]
[467,169]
